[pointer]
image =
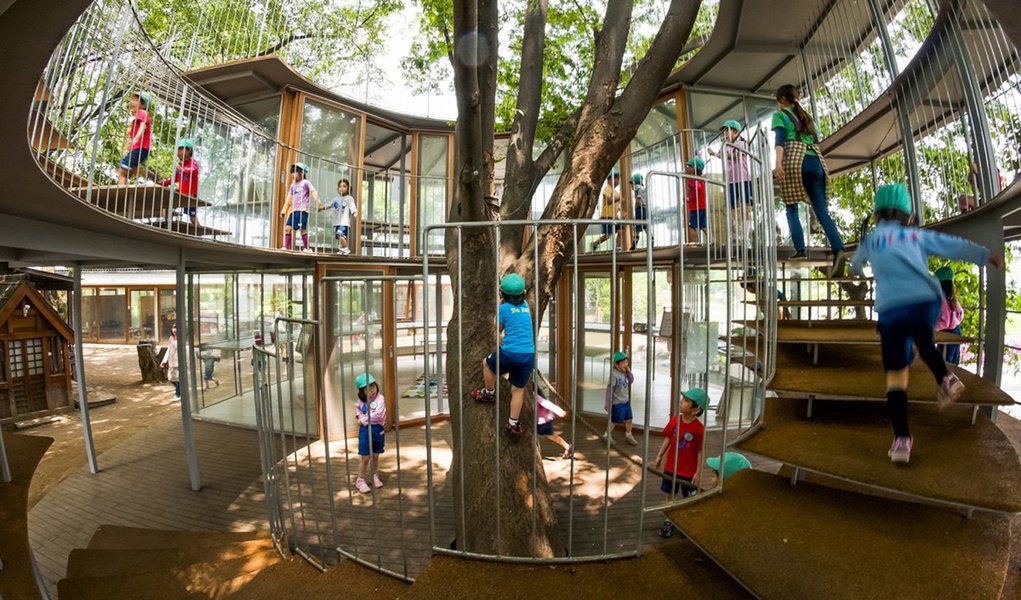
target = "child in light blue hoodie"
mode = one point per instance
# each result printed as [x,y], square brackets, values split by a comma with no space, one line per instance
[909,300]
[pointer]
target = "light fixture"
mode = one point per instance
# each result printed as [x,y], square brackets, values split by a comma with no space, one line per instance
[24,309]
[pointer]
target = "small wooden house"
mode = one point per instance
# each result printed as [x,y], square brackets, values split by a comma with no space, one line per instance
[35,372]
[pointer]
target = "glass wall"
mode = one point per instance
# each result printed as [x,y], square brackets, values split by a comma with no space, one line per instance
[142,308]
[432,189]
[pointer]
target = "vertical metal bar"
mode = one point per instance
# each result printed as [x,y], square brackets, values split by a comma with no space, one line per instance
[79,369]
[496,404]
[430,492]
[460,374]
[650,367]
[535,389]
[102,103]
[614,296]
[184,331]
[575,382]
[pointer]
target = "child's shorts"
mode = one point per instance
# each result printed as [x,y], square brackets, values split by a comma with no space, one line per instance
[377,440]
[517,366]
[901,326]
[676,484]
[135,158]
[609,228]
[738,191]
[545,428]
[620,413]
[297,220]
[340,231]
[191,211]
[641,213]
[696,219]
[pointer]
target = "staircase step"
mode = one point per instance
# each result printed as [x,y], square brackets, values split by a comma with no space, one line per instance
[295,578]
[855,372]
[117,537]
[217,579]
[952,461]
[840,331]
[102,563]
[851,545]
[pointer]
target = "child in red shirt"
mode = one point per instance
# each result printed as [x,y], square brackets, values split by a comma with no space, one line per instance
[682,448]
[696,201]
[186,176]
[139,138]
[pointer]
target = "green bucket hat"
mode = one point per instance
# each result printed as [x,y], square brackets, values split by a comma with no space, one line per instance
[945,274]
[732,124]
[186,143]
[636,178]
[145,98]
[894,196]
[512,285]
[619,356]
[732,463]
[696,162]
[698,396]
[301,166]
[364,380]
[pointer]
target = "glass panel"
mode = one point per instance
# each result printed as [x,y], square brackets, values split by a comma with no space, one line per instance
[264,113]
[34,356]
[142,306]
[111,305]
[55,346]
[90,324]
[432,188]
[168,310]
[661,324]
[17,367]
[594,330]
[382,215]
[3,363]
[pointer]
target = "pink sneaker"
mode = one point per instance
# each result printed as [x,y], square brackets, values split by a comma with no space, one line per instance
[362,486]
[949,391]
[376,483]
[900,451]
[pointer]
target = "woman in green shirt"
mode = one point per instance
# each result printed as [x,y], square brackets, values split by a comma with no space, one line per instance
[800,172]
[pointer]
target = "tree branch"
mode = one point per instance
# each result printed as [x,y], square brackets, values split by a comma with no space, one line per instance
[611,41]
[556,145]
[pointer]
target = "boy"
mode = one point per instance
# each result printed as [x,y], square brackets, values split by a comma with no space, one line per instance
[296,206]
[343,209]
[641,210]
[732,463]
[618,397]
[186,175]
[682,447]
[909,301]
[517,350]
[696,201]
[609,207]
[138,141]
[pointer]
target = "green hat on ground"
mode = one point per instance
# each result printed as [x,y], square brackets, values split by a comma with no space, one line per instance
[186,143]
[945,274]
[512,285]
[636,178]
[364,380]
[698,396]
[619,356]
[696,162]
[300,166]
[732,463]
[894,196]
[732,124]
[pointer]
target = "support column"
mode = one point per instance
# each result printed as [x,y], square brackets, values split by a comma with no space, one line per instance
[79,371]
[184,370]
[996,309]
[402,195]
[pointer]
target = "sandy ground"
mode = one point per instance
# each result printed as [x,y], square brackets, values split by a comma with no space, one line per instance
[114,368]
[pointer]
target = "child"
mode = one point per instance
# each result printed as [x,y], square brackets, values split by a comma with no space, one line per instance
[186,175]
[618,397]
[296,205]
[951,314]
[209,360]
[641,210]
[545,412]
[609,208]
[343,209]
[138,141]
[371,411]
[908,301]
[517,350]
[732,463]
[170,362]
[696,201]
[682,448]
[739,185]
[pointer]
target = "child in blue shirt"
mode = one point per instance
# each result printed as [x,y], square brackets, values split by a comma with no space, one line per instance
[517,350]
[909,300]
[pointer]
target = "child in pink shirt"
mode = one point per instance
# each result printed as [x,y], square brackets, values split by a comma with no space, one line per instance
[951,314]
[545,412]
[371,412]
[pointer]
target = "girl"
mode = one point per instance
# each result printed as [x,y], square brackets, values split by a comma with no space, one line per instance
[344,208]
[801,173]
[138,141]
[170,363]
[371,412]
[545,412]
[296,205]
[951,314]
[739,185]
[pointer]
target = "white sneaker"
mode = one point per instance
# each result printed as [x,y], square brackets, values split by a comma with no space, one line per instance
[376,483]
[345,251]
[177,398]
[900,451]
[630,439]
[362,486]
[606,435]
[949,391]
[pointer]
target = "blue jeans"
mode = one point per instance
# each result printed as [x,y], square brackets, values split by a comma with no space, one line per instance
[814,179]
[953,351]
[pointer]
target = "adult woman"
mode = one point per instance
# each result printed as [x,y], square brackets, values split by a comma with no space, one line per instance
[170,363]
[801,173]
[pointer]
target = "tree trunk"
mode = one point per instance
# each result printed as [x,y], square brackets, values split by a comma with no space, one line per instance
[149,362]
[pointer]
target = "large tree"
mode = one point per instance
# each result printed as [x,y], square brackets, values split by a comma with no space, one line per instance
[592,137]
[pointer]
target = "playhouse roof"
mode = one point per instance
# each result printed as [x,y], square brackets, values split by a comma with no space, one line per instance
[15,290]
